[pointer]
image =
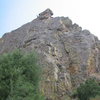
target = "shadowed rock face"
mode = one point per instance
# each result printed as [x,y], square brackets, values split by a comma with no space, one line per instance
[68,54]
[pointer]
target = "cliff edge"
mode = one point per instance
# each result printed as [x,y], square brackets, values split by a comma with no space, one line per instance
[68,54]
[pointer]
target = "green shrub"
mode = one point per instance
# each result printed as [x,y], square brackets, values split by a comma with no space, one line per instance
[19,76]
[89,89]
[96,98]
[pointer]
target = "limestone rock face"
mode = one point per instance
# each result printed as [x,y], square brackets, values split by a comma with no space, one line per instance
[68,54]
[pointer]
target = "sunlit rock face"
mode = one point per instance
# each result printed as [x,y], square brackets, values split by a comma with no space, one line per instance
[68,54]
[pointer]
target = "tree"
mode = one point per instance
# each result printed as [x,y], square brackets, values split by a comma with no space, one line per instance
[87,90]
[19,76]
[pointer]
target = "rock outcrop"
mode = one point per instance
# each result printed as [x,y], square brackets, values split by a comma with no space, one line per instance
[45,14]
[68,54]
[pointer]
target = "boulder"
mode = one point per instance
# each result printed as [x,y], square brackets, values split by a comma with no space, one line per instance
[45,14]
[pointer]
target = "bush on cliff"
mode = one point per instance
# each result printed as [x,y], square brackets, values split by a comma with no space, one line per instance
[19,77]
[89,89]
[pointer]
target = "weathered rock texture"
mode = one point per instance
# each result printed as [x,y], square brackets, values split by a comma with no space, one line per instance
[68,54]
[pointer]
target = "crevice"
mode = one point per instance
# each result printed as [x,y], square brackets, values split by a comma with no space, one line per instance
[29,40]
[67,52]
[63,44]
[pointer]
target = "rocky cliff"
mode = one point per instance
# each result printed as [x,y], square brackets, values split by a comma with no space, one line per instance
[68,54]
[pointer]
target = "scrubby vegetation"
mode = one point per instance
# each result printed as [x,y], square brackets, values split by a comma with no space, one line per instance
[96,98]
[90,89]
[19,76]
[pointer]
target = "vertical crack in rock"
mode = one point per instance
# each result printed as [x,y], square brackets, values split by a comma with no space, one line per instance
[67,74]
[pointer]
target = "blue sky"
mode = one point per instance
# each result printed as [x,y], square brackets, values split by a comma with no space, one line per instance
[15,13]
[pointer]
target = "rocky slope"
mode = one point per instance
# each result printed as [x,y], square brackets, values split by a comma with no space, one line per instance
[68,54]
